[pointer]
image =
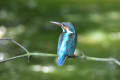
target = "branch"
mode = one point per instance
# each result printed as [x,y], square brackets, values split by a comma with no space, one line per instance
[113,60]
[83,56]
[30,54]
[18,44]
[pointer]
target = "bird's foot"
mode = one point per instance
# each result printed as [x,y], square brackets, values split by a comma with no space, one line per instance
[73,56]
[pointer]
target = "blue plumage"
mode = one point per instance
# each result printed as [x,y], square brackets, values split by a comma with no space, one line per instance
[67,41]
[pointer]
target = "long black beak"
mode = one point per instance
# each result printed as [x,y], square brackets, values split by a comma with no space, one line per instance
[57,23]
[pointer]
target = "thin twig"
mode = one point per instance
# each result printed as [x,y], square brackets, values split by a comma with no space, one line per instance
[113,60]
[9,39]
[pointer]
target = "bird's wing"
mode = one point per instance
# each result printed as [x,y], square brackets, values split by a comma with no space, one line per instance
[60,41]
[71,45]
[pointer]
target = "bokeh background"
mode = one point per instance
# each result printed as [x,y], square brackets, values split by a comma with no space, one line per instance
[27,21]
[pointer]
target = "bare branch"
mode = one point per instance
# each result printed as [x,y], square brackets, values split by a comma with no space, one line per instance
[113,60]
[83,56]
[28,54]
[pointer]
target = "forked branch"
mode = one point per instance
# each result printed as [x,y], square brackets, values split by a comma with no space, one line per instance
[18,44]
[83,56]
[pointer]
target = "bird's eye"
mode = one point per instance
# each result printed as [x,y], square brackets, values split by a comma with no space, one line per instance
[63,24]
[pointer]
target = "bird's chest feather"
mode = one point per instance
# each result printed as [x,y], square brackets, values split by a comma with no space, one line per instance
[66,44]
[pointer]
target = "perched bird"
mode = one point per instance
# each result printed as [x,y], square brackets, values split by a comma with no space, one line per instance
[67,42]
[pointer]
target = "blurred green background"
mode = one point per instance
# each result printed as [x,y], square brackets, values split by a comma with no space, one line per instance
[27,21]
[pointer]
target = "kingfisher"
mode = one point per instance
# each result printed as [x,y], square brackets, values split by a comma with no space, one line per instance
[67,41]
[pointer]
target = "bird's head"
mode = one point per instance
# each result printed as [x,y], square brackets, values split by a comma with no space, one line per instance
[66,26]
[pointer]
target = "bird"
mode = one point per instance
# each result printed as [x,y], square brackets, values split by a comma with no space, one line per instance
[67,41]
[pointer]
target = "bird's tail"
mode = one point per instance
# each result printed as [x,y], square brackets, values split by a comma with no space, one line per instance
[61,60]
